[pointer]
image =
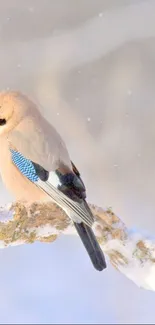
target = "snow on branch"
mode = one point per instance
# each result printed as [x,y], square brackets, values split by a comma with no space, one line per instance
[128,251]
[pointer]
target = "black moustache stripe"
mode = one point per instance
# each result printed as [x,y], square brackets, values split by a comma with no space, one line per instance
[2,121]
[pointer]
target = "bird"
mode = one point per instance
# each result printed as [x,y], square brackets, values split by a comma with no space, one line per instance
[35,165]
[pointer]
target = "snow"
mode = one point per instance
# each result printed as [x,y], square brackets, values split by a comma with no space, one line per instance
[140,269]
[45,231]
[5,213]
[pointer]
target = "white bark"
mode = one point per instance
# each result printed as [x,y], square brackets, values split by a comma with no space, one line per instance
[128,251]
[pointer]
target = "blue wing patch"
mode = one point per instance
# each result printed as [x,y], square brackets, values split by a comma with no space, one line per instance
[24,165]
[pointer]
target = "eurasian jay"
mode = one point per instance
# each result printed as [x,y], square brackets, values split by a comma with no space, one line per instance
[35,166]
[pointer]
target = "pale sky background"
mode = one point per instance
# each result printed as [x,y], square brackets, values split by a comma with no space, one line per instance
[91,66]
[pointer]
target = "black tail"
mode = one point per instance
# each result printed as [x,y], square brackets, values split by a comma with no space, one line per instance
[94,251]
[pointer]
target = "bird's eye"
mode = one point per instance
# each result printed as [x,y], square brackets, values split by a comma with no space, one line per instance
[2,121]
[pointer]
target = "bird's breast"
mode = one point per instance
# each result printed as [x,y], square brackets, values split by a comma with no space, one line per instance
[17,183]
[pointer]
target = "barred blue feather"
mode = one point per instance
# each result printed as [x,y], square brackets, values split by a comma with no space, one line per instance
[24,165]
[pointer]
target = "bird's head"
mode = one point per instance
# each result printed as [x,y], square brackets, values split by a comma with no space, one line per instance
[14,106]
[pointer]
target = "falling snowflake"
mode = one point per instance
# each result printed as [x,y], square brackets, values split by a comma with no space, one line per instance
[129,92]
[88,119]
[31,9]
[100,14]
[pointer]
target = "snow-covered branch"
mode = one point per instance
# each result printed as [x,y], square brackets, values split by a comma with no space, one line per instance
[128,251]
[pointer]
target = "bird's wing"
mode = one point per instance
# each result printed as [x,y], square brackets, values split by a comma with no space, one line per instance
[39,142]
[66,193]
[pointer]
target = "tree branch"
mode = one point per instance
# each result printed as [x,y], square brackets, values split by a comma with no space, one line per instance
[128,251]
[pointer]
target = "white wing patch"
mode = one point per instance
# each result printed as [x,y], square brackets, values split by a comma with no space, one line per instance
[54,179]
